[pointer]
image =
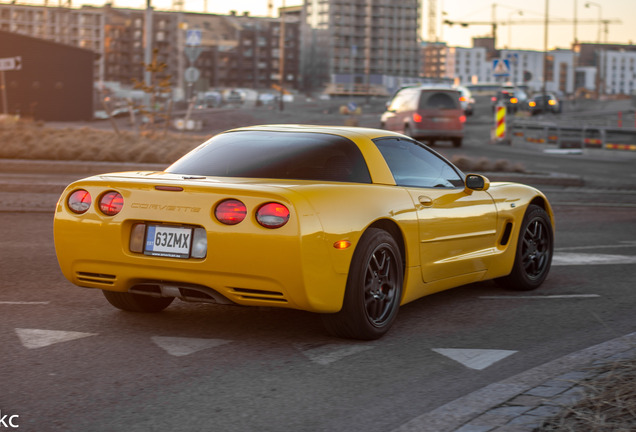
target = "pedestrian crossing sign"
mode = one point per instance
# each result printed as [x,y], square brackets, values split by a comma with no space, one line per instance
[193,37]
[500,67]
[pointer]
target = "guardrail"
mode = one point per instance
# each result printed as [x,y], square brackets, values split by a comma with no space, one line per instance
[605,130]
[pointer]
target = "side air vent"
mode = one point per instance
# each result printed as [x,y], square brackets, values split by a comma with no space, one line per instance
[252,294]
[97,278]
[505,238]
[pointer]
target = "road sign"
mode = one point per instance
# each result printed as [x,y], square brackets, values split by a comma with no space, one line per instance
[192,74]
[193,52]
[193,37]
[11,63]
[500,67]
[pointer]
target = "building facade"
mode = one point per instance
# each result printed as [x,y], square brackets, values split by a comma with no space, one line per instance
[359,46]
[235,51]
[83,28]
[467,65]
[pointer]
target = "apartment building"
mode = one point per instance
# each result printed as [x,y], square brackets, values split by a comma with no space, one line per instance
[467,65]
[236,51]
[83,28]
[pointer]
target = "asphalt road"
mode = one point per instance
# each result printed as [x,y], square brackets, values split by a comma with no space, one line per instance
[71,362]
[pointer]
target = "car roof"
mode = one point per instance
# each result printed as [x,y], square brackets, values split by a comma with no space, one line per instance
[345,131]
[379,170]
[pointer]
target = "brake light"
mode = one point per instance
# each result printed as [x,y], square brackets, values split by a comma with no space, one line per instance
[417,118]
[514,100]
[111,203]
[462,119]
[493,98]
[230,212]
[272,215]
[462,98]
[79,201]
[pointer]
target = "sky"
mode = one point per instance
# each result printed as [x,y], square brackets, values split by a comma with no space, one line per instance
[518,36]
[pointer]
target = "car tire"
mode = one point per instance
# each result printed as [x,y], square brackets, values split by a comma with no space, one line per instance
[533,256]
[132,302]
[457,142]
[374,289]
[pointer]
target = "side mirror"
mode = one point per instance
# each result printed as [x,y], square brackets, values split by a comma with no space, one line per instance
[477,182]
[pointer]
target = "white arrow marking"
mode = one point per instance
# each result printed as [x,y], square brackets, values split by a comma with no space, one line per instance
[572,258]
[36,338]
[474,358]
[329,353]
[179,346]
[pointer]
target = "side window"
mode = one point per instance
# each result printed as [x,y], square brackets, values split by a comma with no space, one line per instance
[397,101]
[414,165]
[404,100]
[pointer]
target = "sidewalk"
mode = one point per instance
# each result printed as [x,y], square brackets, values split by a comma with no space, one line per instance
[521,403]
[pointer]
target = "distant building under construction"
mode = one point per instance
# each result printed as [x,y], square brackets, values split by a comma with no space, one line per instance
[360,46]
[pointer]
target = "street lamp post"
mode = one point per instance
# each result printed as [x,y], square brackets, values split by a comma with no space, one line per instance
[545,50]
[520,12]
[600,19]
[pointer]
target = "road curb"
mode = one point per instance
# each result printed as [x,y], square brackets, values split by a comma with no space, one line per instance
[458,414]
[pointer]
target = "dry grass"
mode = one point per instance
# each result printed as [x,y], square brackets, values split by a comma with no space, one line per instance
[609,404]
[25,139]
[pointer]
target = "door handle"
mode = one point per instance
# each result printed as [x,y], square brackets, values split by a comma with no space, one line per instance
[425,201]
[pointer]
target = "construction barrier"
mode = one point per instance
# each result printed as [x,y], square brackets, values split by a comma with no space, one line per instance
[499,134]
[500,122]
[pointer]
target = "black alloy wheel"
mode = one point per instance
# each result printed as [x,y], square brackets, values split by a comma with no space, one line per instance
[534,252]
[374,289]
[380,285]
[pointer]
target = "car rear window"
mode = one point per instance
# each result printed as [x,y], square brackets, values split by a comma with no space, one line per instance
[276,155]
[439,100]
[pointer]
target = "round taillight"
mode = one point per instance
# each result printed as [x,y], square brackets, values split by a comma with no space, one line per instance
[79,201]
[230,212]
[272,215]
[111,203]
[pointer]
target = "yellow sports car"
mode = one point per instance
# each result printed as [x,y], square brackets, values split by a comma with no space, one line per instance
[347,222]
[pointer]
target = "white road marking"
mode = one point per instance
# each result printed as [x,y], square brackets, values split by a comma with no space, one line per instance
[573,258]
[560,296]
[37,338]
[622,244]
[24,302]
[478,359]
[329,353]
[180,346]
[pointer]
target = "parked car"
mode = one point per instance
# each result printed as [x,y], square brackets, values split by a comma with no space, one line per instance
[548,103]
[427,113]
[342,221]
[466,100]
[513,98]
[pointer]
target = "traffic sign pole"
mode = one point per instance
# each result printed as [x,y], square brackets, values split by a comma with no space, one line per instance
[5,104]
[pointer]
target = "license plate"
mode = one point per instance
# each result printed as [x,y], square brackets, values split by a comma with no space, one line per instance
[168,241]
[441,119]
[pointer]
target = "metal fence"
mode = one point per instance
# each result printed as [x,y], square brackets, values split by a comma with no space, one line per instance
[614,130]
